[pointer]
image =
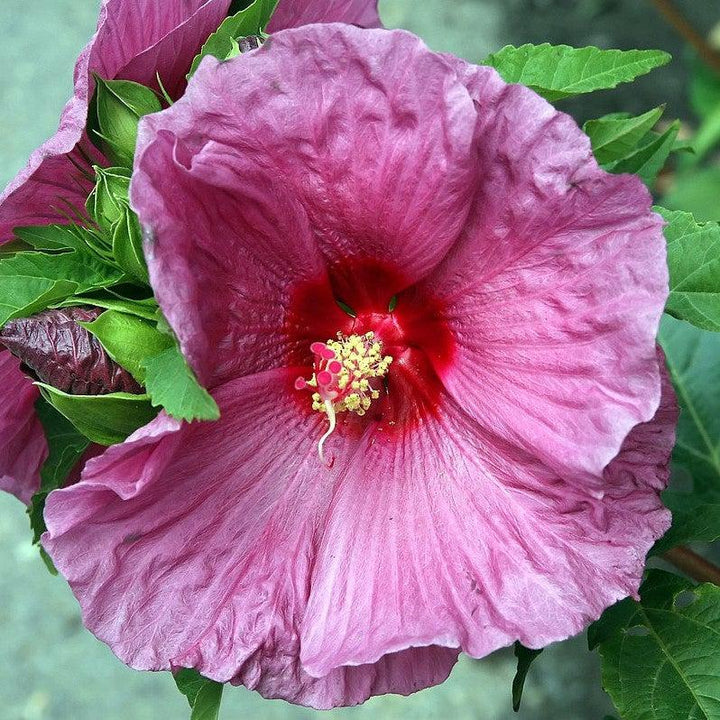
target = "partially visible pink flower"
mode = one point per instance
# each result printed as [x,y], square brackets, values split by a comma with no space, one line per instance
[22,441]
[135,40]
[498,480]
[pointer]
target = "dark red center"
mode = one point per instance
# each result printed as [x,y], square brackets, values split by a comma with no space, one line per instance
[411,325]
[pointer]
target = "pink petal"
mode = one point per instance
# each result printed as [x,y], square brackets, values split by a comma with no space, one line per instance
[555,292]
[22,440]
[193,546]
[453,537]
[293,13]
[320,148]
[135,39]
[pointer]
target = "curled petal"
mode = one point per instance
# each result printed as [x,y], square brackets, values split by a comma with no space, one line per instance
[555,291]
[22,441]
[452,537]
[192,546]
[293,13]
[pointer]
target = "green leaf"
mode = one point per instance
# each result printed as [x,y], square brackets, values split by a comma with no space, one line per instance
[525,657]
[147,308]
[223,42]
[694,262]
[170,383]
[203,695]
[704,89]
[65,447]
[119,105]
[108,200]
[54,237]
[104,419]
[32,281]
[692,359]
[129,340]
[698,524]
[560,71]
[696,192]
[615,138]
[659,656]
[649,159]
[127,246]
[207,703]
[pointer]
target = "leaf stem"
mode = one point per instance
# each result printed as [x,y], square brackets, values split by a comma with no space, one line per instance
[693,565]
[685,29]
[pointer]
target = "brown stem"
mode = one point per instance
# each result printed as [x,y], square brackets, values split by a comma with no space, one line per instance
[683,27]
[693,565]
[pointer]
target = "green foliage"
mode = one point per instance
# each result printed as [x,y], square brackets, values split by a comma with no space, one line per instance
[65,447]
[696,524]
[525,657]
[146,308]
[222,44]
[694,262]
[697,192]
[152,357]
[172,384]
[650,157]
[560,71]
[129,340]
[120,233]
[32,281]
[107,201]
[692,359]
[659,656]
[118,107]
[615,138]
[203,695]
[104,419]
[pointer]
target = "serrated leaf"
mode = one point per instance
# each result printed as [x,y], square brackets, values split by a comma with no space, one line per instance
[525,658]
[117,108]
[32,281]
[171,383]
[66,446]
[129,340]
[698,524]
[659,656]
[649,159]
[103,419]
[615,138]
[204,696]
[694,262]
[222,44]
[696,192]
[560,71]
[692,360]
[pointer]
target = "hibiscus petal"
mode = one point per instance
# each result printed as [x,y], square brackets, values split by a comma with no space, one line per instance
[293,13]
[450,536]
[555,292]
[22,440]
[192,546]
[327,129]
[134,40]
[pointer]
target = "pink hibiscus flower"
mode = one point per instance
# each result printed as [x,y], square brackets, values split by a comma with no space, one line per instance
[135,40]
[499,441]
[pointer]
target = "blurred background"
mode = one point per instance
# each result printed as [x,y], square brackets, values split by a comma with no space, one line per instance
[53,668]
